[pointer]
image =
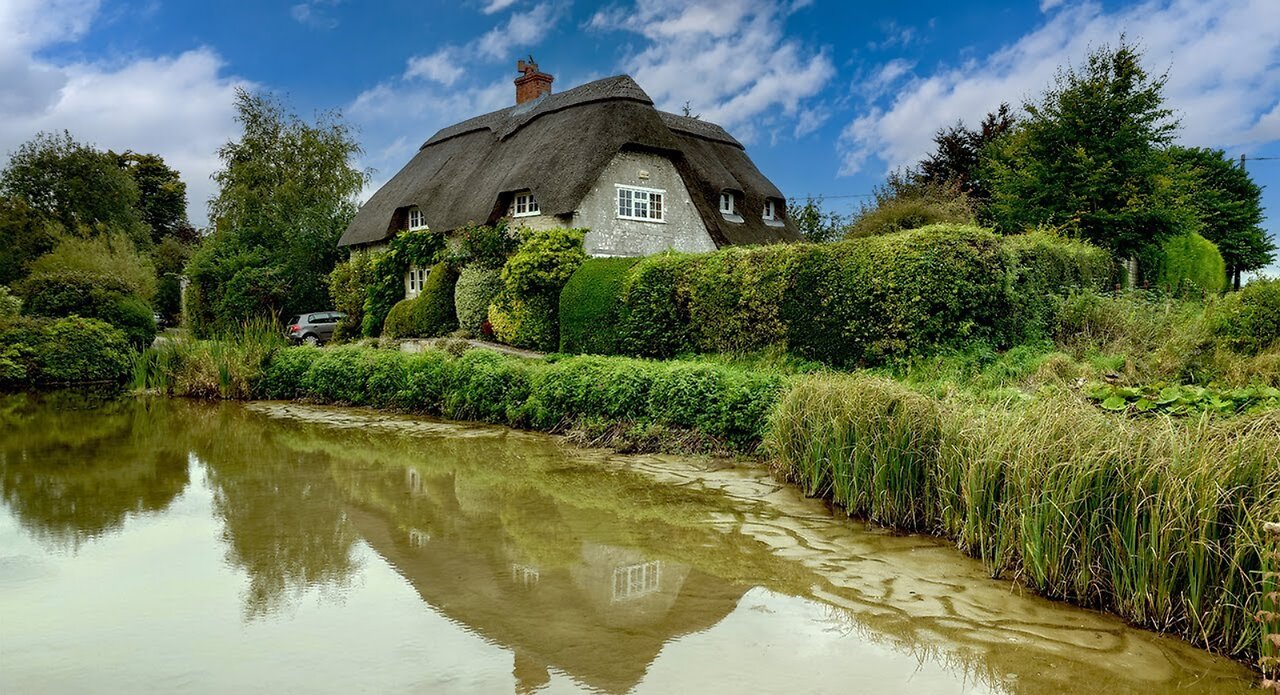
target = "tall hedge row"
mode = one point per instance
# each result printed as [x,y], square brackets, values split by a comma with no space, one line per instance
[854,302]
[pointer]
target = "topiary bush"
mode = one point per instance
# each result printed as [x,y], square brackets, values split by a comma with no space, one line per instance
[866,300]
[54,294]
[591,307]
[527,322]
[1248,321]
[431,313]
[655,315]
[1191,265]
[475,290]
[734,296]
[526,313]
[68,350]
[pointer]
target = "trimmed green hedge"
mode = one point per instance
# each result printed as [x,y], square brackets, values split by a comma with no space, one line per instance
[92,296]
[527,322]
[1044,267]
[655,315]
[1248,321]
[69,350]
[431,313]
[1192,266]
[476,289]
[729,404]
[591,307]
[526,313]
[735,298]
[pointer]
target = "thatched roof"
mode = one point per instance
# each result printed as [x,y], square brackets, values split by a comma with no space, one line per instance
[557,146]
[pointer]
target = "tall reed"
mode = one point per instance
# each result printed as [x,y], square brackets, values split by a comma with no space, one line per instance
[1155,519]
[227,366]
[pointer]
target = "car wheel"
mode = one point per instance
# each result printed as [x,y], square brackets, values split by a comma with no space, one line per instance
[310,340]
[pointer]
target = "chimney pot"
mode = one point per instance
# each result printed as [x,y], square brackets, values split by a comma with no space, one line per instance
[532,82]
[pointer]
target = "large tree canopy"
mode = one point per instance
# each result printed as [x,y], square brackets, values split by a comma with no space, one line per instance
[1086,157]
[162,196]
[287,190]
[959,152]
[1224,206]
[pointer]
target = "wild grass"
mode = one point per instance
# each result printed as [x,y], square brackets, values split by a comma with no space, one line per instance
[228,366]
[1156,520]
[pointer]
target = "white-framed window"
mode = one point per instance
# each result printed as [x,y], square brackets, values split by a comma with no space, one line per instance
[413,283]
[644,204]
[770,209]
[633,581]
[726,203]
[417,220]
[524,205]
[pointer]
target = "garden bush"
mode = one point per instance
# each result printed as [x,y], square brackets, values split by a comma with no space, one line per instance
[526,313]
[349,285]
[527,322]
[1191,265]
[734,298]
[1045,267]
[476,289]
[1248,321]
[591,307]
[866,300]
[68,350]
[431,313]
[110,299]
[655,316]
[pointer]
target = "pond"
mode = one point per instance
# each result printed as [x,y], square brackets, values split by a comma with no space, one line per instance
[151,545]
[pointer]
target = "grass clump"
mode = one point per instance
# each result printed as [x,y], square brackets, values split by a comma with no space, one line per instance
[230,366]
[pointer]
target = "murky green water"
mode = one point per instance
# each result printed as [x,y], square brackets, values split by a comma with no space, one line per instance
[161,546]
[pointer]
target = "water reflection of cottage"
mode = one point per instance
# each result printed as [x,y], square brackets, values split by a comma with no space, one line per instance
[600,614]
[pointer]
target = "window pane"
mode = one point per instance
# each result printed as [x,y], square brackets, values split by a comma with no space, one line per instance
[655,200]
[641,204]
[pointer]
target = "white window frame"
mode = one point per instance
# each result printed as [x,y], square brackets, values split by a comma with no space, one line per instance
[634,581]
[635,197]
[770,210]
[726,203]
[525,205]
[420,222]
[417,276]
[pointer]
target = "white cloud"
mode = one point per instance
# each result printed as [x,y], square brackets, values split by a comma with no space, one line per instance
[495,6]
[522,29]
[1223,60]
[314,14]
[729,59]
[440,66]
[180,107]
[1046,5]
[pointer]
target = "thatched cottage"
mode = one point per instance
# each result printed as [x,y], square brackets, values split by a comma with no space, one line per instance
[599,156]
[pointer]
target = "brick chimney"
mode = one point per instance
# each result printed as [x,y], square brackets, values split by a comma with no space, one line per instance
[532,82]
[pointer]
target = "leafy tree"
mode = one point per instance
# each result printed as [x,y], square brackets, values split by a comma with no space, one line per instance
[25,235]
[816,224]
[1086,157]
[958,157]
[287,190]
[1225,205]
[162,196]
[82,188]
[170,257]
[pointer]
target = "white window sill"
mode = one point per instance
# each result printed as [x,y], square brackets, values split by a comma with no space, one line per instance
[525,214]
[774,223]
[419,229]
[641,219]
[730,217]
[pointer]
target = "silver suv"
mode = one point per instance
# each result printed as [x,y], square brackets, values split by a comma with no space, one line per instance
[315,328]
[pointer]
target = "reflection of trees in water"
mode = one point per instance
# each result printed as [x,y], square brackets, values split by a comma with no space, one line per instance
[71,473]
[282,515]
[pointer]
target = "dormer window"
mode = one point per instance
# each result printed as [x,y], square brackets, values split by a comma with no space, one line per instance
[770,210]
[417,220]
[524,205]
[726,203]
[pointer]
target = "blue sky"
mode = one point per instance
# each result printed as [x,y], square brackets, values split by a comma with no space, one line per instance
[826,95]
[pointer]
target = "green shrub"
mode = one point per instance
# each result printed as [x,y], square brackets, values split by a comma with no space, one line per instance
[866,300]
[591,307]
[10,304]
[103,297]
[282,377]
[734,296]
[349,285]
[66,350]
[399,321]
[1191,266]
[528,322]
[476,289]
[1045,267]
[484,246]
[1248,321]
[431,313]
[108,255]
[655,316]
[544,262]
[902,213]
[487,386]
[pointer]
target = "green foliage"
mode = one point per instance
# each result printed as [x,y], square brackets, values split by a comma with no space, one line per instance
[1191,266]
[10,304]
[544,262]
[25,235]
[591,307]
[1248,321]
[103,297]
[816,224]
[1085,158]
[1225,206]
[233,365]
[108,255]
[406,249]
[286,192]
[734,297]
[865,300]
[349,286]
[484,246]
[1184,399]
[431,313]
[170,257]
[655,317]
[162,196]
[40,351]
[75,184]
[526,322]
[958,156]
[904,203]
[1046,267]
[476,289]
